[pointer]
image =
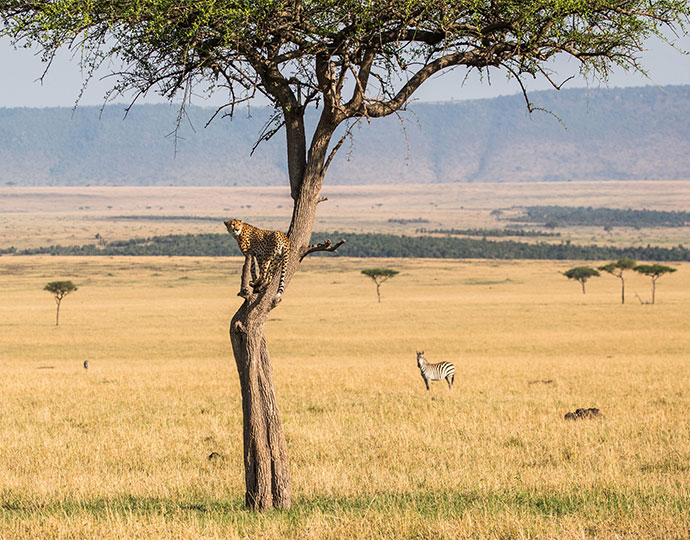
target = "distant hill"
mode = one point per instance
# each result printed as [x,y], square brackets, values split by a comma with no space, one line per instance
[616,134]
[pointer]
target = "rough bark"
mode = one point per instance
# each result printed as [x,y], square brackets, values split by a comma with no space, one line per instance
[267,474]
[266,464]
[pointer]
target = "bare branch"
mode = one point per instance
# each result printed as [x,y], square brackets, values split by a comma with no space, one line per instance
[323,246]
[553,83]
[272,126]
[334,151]
[531,107]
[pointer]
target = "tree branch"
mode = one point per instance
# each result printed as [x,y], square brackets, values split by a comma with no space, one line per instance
[477,58]
[323,246]
[334,151]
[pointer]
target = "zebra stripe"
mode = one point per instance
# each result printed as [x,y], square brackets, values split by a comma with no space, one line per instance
[435,372]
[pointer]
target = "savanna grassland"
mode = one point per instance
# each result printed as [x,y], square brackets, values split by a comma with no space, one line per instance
[32,217]
[146,443]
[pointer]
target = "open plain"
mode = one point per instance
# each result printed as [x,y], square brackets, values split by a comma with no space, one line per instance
[40,216]
[146,443]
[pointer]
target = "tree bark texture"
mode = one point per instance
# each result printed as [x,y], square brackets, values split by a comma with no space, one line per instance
[267,474]
[266,464]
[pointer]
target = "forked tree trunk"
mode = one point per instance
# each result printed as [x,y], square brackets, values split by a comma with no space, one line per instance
[266,463]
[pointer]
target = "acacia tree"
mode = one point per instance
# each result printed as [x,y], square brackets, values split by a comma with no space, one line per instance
[351,60]
[654,271]
[581,274]
[616,269]
[59,289]
[379,276]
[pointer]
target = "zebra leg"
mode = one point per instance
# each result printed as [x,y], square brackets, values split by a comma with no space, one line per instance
[450,380]
[426,381]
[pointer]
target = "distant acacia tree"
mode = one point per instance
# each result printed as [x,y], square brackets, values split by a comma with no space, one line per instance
[617,268]
[59,289]
[379,276]
[654,271]
[581,274]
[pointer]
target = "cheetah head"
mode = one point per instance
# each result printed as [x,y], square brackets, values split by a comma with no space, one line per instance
[234,227]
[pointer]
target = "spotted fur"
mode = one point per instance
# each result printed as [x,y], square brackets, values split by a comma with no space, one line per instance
[269,248]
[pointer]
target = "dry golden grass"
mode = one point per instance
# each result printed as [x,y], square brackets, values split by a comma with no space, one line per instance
[121,451]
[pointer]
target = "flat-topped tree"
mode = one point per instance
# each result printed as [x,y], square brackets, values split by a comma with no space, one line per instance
[379,276]
[654,271]
[351,60]
[616,269]
[59,289]
[581,274]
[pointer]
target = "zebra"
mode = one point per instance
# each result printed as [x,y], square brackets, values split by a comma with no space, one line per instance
[435,372]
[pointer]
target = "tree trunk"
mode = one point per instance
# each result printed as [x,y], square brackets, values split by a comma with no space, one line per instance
[267,475]
[378,291]
[653,290]
[622,291]
[266,464]
[583,287]
[57,314]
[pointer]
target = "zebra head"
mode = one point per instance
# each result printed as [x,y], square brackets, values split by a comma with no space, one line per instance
[420,358]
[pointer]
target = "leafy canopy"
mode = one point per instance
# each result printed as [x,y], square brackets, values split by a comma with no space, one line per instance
[299,52]
[60,288]
[581,273]
[617,268]
[380,273]
[654,270]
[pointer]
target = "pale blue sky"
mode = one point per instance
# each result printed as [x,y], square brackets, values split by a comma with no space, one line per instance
[61,86]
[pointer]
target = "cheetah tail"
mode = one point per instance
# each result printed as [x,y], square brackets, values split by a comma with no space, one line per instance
[283,270]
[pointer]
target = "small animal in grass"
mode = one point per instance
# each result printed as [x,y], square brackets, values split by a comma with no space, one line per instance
[86,364]
[580,414]
[268,248]
[435,372]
